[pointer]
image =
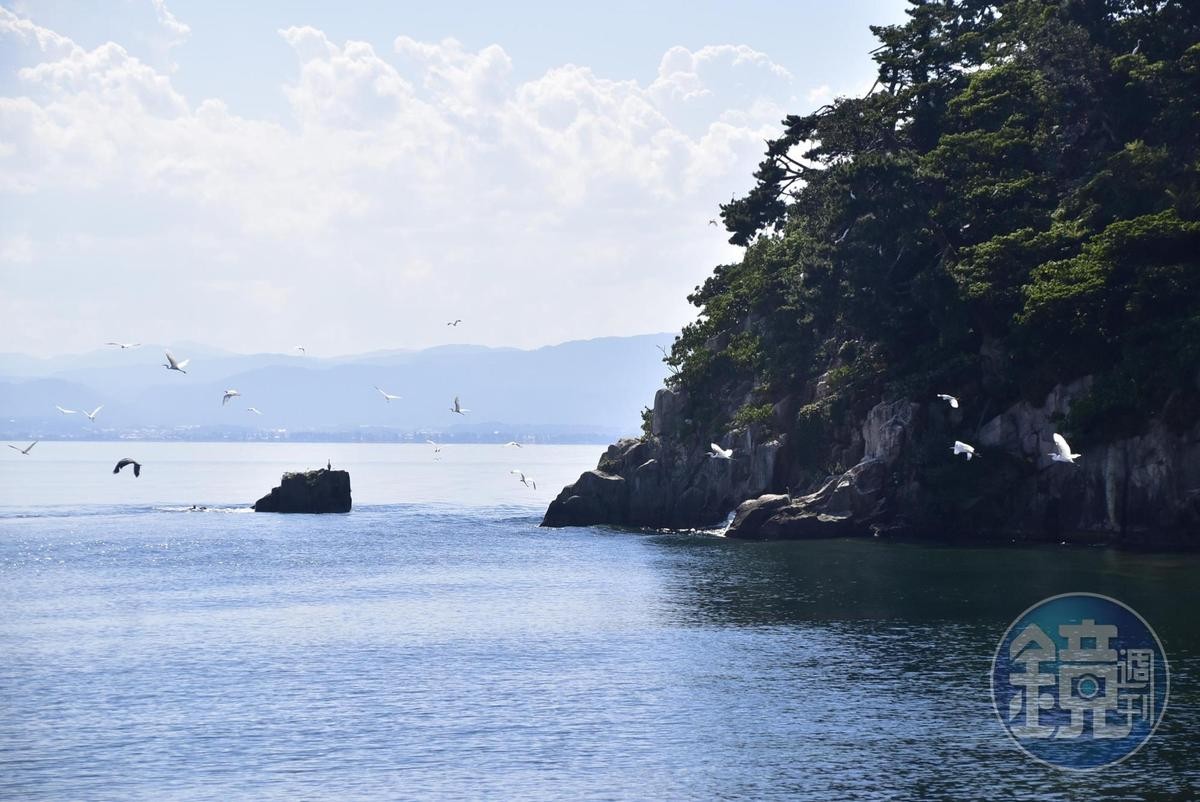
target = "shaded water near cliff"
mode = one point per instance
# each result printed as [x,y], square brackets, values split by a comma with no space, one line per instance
[418,649]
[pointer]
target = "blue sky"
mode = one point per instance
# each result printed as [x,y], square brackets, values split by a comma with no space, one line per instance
[254,175]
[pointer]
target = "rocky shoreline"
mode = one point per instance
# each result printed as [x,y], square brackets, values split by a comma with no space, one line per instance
[1134,492]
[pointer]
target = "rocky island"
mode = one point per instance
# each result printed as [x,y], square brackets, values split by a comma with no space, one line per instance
[318,491]
[982,250]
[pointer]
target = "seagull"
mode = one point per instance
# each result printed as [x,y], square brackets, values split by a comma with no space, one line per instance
[386,395]
[255,410]
[65,411]
[454,322]
[720,453]
[228,395]
[137,466]
[123,346]
[24,450]
[171,364]
[458,408]
[300,348]
[525,480]
[1064,451]
[512,443]
[92,415]
[949,399]
[963,448]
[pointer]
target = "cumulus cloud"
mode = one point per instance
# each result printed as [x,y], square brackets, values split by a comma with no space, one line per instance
[423,173]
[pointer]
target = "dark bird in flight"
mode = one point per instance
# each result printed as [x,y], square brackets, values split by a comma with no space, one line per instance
[454,322]
[24,450]
[137,466]
[712,222]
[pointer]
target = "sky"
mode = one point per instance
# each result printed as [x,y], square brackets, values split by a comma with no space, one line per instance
[350,177]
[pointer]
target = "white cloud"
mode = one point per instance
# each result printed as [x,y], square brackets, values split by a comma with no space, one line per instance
[404,183]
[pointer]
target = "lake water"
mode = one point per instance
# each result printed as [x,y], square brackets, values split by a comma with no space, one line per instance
[436,644]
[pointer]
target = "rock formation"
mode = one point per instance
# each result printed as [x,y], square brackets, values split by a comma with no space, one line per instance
[316,491]
[903,480]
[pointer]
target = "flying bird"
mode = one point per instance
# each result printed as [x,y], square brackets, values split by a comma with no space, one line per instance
[92,415]
[123,346]
[720,453]
[24,450]
[454,322]
[173,364]
[137,466]
[512,443]
[228,395]
[458,408]
[387,396]
[437,449]
[963,448]
[525,480]
[1064,451]
[255,410]
[300,348]
[949,399]
[712,221]
[65,411]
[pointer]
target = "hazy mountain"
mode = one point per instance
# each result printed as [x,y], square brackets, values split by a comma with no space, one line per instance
[588,388]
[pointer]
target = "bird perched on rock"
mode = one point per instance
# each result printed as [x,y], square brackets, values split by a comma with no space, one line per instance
[137,466]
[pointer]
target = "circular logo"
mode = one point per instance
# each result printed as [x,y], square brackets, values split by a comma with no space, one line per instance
[1080,681]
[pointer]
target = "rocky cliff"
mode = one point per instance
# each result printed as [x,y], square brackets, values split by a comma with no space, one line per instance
[903,479]
[312,491]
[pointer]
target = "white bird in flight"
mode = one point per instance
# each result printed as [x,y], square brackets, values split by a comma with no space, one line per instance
[949,399]
[525,480]
[1064,451]
[123,346]
[24,450]
[65,411]
[255,410]
[458,407]
[92,415]
[228,395]
[300,348]
[174,364]
[512,443]
[387,396]
[963,448]
[720,453]
[436,447]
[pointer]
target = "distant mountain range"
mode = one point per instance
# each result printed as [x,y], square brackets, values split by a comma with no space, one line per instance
[579,391]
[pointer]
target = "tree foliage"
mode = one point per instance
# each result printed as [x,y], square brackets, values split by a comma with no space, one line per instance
[1023,180]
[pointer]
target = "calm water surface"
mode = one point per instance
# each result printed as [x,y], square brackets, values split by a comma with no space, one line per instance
[436,644]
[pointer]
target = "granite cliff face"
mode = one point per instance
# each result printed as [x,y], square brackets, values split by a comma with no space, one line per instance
[903,480]
[312,492]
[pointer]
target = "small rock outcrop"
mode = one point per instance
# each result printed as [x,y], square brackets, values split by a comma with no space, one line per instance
[316,491]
